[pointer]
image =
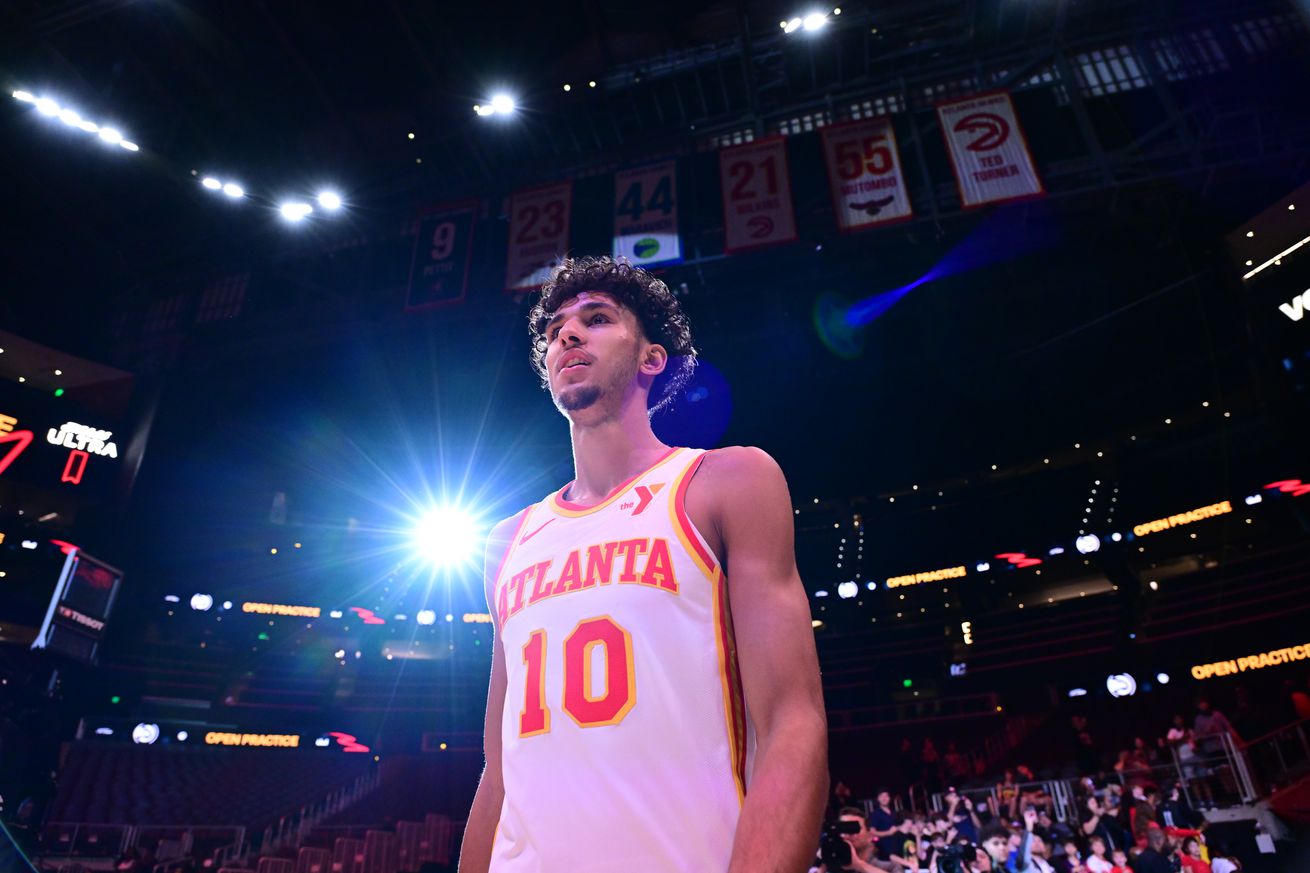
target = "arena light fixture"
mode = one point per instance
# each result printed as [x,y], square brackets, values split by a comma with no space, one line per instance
[847,590]
[329,200]
[447,536]
[426,616]
[233,190]
[295,212]
[1162,678]
[1087,544]
[202,602]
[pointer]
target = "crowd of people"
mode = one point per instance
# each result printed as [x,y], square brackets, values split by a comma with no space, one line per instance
[1140,831]
[1134,816]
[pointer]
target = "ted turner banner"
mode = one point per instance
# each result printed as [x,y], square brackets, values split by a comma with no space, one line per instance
[757,210]
[538,233]
[864,174]
[646,214]
[988,150]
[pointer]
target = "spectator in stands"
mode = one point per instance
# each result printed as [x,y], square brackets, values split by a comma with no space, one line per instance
[1221,861]
[864,857]
[1097,822]
[961,815]
[1070,859]
[957,766]
[882,823]
[1176,812]
[1132,764]
[1120,859]
[1191,857]
[1141,815]
[1007,796]
[905,854]
[1155,857]
[1298,701]
[908,764]
[995,841]
[1097,862]
[930,766]
[1209,728]
[1182,745]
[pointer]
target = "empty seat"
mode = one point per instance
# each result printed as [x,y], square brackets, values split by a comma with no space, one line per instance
[347,855]
[311,860]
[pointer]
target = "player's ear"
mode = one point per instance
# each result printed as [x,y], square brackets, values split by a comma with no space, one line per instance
[655,359]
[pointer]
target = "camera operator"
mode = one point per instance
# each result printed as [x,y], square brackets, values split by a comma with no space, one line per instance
[864,858]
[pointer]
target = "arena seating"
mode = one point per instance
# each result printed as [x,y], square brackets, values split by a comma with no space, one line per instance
[150,785]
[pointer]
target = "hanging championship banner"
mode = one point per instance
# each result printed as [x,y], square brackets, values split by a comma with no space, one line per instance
[439,268]
[646,214]
[538,233]
[864,174]
[988,150]
[757,209]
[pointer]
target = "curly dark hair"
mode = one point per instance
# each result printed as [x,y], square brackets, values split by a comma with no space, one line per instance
[658,312]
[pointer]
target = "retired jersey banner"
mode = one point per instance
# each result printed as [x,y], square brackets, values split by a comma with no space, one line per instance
[646,214]
[988,150]
[538,233]
[757,208]
[439,268]
[864,174]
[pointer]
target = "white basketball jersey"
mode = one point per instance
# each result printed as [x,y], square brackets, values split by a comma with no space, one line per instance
[625,742]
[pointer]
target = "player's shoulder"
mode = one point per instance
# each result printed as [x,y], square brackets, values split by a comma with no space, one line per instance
[741,462]
[503,531]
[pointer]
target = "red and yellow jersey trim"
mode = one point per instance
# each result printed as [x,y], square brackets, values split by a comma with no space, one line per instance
[734,705]
[569,509]
[687,533]
[504,560]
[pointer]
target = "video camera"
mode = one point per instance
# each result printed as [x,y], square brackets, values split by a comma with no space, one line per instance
[833,848]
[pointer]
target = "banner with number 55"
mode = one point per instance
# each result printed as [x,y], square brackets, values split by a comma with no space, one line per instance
[757,208]
[864,174]
[646,214]
[538,233]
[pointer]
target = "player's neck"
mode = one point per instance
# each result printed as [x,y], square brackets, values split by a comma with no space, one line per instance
[610,452]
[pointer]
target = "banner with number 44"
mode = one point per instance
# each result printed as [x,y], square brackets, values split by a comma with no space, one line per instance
[646,214]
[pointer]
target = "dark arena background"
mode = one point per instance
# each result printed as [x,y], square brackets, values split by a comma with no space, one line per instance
[1015,291]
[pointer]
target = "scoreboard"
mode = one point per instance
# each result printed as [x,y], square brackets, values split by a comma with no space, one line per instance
[56,597]
[55,444]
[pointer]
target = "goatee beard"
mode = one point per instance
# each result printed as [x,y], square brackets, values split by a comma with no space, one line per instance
[580,399]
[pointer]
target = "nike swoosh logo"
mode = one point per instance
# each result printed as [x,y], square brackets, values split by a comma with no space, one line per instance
[527,537]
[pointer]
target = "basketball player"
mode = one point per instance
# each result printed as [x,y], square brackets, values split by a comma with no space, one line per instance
[655,704]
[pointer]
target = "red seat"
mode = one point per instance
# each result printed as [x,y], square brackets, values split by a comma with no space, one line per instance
[409,839]
[276,865]
[347,855]
[379,852]
[311,860]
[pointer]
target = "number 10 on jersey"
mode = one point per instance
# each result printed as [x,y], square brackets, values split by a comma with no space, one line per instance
[601,637]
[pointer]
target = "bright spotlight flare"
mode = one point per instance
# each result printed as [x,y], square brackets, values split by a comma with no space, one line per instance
[329,200]
[809,22]
[448,536]
[294,212]
[501,104]
[72,118]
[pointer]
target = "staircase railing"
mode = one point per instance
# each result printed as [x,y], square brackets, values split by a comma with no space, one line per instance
[291,829]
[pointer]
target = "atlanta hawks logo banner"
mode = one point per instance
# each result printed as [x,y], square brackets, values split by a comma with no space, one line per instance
[646,215]
[538,233]
[864,174]
[757,210]
[988,151]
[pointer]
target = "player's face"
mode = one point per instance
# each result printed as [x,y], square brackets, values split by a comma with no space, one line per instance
[594,348]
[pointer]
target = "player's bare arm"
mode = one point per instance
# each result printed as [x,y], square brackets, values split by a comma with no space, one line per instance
[484,815]
[741,496]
